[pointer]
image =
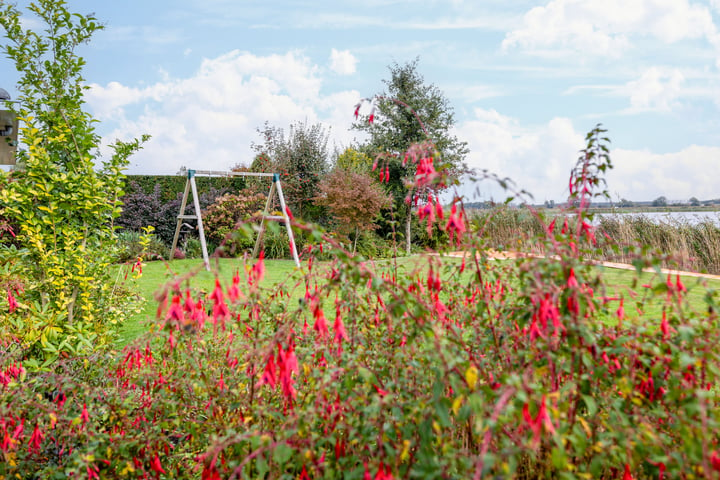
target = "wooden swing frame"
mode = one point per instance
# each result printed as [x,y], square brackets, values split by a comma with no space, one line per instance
[191,188]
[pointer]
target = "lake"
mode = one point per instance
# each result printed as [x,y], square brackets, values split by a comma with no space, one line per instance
[669,217]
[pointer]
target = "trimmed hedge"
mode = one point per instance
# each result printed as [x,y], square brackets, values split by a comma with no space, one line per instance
[155,200]
[171,185]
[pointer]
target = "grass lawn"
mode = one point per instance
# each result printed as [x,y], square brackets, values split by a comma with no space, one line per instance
[157,274]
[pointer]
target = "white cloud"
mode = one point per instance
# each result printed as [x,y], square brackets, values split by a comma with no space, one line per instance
[656,89]
[644,175]
[604,28]
[209,120]
[342,62]
[539,160]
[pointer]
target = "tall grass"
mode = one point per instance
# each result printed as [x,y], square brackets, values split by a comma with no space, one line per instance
[680,243]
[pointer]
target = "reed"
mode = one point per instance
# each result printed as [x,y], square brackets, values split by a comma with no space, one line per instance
[678,242]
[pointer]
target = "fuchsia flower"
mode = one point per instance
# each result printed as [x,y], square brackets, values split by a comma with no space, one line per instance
[627,475]
[12,302]
[588,230]
[572,281]
[339,327]
[234,292]
[84,416]
[455,225]
[384,472]
[665,327]
[679,284]
[156,466]
[269,376]
[380,391]
[287,365]
[540,422]
[175,312]
[35,440]
[281,370]
[715,460]
[304,472]
[257,273]
[621,311]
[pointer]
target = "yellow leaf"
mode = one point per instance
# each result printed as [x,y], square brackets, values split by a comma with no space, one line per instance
[471,376]
[457,404]
[405,454]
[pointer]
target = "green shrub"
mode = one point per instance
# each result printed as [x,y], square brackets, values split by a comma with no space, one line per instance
[225,215]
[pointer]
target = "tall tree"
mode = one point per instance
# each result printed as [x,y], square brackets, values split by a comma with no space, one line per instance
[407,113]
[301,159]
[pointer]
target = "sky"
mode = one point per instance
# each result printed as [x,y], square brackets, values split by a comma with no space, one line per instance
[526,81]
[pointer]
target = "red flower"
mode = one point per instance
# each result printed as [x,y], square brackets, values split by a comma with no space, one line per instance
[269,376]
[234,291]
[304,473]
[541,420]
[35,440]
[679,284]
[320,324]
[371,118]
[175,312]
[257,273]
[383,473]
[572,281]
[84,416]
[665,327]
[12,303]
[210,473]
[455,224]
[339,327]
[357,110]
[627,475]
[380,391]
[156,466]
[92,472]
[287,365]
[621,310]
[715,460]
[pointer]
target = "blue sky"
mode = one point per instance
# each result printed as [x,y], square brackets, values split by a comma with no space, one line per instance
[526,80]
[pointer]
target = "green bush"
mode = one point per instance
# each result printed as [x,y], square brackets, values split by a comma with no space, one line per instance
[132,245]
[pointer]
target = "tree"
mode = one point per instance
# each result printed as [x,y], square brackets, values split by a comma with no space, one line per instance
[411,112]
[354,160]
[301,159]
[63,199]
[354,199]
[694,202]
[660,202]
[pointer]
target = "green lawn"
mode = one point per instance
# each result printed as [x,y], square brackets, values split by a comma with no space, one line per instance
[157,274]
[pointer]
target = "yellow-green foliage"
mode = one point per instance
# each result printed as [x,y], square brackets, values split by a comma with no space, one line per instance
[61,204]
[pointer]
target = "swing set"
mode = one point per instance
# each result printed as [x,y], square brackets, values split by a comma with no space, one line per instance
[191,188]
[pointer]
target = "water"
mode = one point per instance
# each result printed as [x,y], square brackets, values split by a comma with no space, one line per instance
[692,218]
